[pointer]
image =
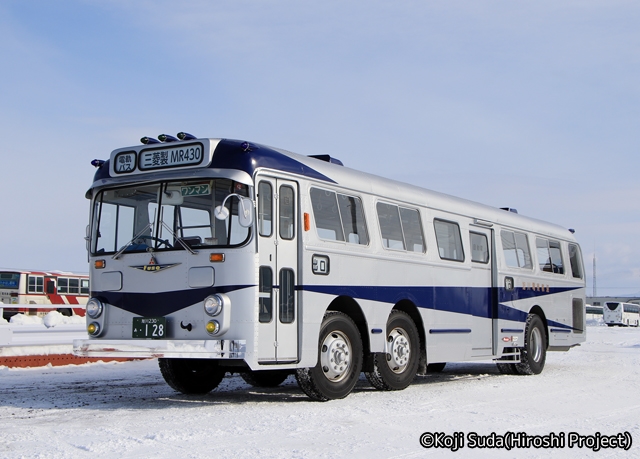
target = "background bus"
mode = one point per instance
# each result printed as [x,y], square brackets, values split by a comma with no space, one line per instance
[624,314]
[69,290]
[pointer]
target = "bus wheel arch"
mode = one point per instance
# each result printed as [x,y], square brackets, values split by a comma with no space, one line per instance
[351,308]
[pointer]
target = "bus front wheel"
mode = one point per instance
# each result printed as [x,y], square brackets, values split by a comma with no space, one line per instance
[191,376]
[339,360]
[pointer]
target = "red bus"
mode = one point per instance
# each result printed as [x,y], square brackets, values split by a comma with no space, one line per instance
[19,287]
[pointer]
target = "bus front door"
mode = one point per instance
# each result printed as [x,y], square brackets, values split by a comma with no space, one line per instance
[277,203]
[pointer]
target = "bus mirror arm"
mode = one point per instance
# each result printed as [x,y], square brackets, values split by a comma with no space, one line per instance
[245,215]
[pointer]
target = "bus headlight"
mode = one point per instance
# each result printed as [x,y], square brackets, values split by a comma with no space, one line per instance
[94,308]
[93,328]
[213,305]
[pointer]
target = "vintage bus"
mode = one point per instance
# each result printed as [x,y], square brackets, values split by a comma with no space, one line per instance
[218,256]
[623,314]
[20,287]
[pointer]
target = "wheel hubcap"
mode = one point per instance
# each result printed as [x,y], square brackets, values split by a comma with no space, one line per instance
[398,350]
[335,356]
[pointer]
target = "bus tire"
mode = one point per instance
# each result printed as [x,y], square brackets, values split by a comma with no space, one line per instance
[507,368]
[65,312]
[339,360]
[534,353]
[396,369]
[265,378]
[191,376]
[436,367]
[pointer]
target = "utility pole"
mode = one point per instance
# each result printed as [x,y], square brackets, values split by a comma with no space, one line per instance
[594,275]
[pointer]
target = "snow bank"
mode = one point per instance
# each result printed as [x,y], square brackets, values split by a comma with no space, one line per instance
[52,319]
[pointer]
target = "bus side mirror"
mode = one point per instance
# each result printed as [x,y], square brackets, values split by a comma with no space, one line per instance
[245,211]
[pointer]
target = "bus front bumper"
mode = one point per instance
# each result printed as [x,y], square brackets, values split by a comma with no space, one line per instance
[183,349]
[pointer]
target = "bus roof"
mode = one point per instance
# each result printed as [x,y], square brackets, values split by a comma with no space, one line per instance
[240,160]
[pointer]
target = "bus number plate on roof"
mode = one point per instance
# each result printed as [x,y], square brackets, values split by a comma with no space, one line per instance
[179,156]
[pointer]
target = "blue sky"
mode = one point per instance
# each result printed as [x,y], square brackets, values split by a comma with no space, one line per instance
[532,105]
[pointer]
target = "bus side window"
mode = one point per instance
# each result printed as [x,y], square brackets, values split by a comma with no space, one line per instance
[353,223]
[449,240]
[265,209]
[326,214]
[515,247]
[412,230]
[390,226]
[549,256]
[286,217]
[575,261]
[479,247]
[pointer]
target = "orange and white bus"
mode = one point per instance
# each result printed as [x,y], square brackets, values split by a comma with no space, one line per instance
[20,287]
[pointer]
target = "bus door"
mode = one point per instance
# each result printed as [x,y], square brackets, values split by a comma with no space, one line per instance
[50,288]
[278,254]
[484,301]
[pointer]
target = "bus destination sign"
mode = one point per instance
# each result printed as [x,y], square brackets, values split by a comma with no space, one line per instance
[178,156]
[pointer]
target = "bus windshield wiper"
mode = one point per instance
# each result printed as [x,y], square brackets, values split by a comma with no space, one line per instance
[124,247]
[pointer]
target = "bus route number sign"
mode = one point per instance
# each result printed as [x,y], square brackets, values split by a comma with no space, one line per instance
[149,327]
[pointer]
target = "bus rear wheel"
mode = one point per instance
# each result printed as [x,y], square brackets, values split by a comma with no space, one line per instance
[265,378]
[339,360]
[191,376]
[396,368]
[534,353]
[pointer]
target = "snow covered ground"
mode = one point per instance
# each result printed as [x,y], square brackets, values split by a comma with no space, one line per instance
[126,410]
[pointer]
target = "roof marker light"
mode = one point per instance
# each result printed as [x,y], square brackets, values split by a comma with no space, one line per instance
[572,231]
[167,138]
[97,162]
[186,136]
[148,140]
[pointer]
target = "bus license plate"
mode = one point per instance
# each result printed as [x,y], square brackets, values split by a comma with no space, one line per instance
[149,327]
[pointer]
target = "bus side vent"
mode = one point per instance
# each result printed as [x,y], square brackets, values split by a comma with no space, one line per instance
[328,159]
[510,209]
[578,315]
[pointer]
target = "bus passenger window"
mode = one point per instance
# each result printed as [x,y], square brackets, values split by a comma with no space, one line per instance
[326,215]
[575,261]
[449,240]
[412,230]
[265,208]
[390,226]
[515,247]
[352,216]
[549,256]
[479,248]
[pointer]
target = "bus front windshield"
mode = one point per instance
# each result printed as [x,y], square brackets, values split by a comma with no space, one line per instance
[166,216]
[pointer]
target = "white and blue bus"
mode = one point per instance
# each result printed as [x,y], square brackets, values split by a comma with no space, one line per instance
[623,314]
[218,256]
